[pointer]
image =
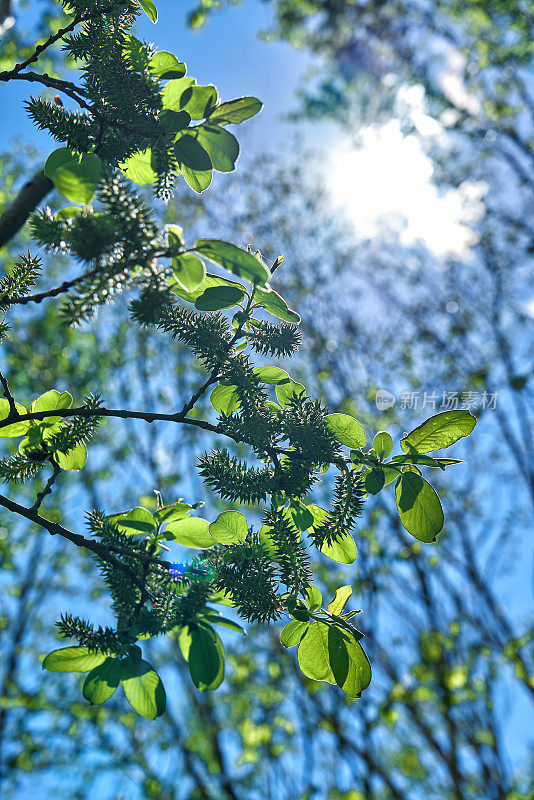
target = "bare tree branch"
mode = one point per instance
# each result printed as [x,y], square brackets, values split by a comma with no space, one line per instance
[27,200]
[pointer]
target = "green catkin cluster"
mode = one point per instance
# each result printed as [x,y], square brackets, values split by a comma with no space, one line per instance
[246,573]
[291,556]
[346,508]
[120,245]
[24,274]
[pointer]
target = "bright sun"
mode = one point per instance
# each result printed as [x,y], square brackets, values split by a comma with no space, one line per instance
[390,176]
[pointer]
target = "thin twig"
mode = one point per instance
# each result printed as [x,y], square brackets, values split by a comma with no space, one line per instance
[13,413]
[47,489]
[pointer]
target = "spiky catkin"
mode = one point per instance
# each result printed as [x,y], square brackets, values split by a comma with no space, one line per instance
[246,573]
[207,335]
[234,480]
[346,508]
[274,340]
[22,466]
[304,426]
[292,559]
[105,640]
[24,274]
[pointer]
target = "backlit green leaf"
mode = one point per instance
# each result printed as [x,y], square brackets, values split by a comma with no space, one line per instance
[225,399]
[230,527]
[164,65]
[73,659]
[138,168]
[221,146]
[235,110]
[136,520]
[219,297]
[340,600]
[189,271]
[439,431]
[276,305]
[350,665]
[206,659]
[191,532]
[234,259]
[313,656]
[74,459]
[382,444]
[16,428]
[143,687]
[150,9]
[419,507]
[346,429]
[293,632]
[102,681]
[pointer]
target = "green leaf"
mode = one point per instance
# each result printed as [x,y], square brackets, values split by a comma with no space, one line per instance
[174,121]
[374,480]
[219,297]
[350,665]
[184,642]
[76,177]
[175,237]
[235,110]
[164,65]
[102,681]
[189,271]
[194,162]
[234,259]
[191,154]
[339,602]
[216,619]
[230,527]
[51,401]
[313,655]
[276,305]
[293,632]
[150,9]
[221,146]
[302,517]
[343,550]
[314,597]
[73,659]
[382,444]
[74,459]
[271,376]
[206,659]
[16,428]
[286,389]
[138,168]
[419,507]
[172,92]
[225,399]
[191,532]
[172,513]
[143,687]
[209,282]
[439,431]
[346,429]
[136,520]
[198,101]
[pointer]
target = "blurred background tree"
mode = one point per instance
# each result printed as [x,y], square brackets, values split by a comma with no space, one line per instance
[447,714]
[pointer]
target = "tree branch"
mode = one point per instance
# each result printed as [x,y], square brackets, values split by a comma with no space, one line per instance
[54,528]
[27,200]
